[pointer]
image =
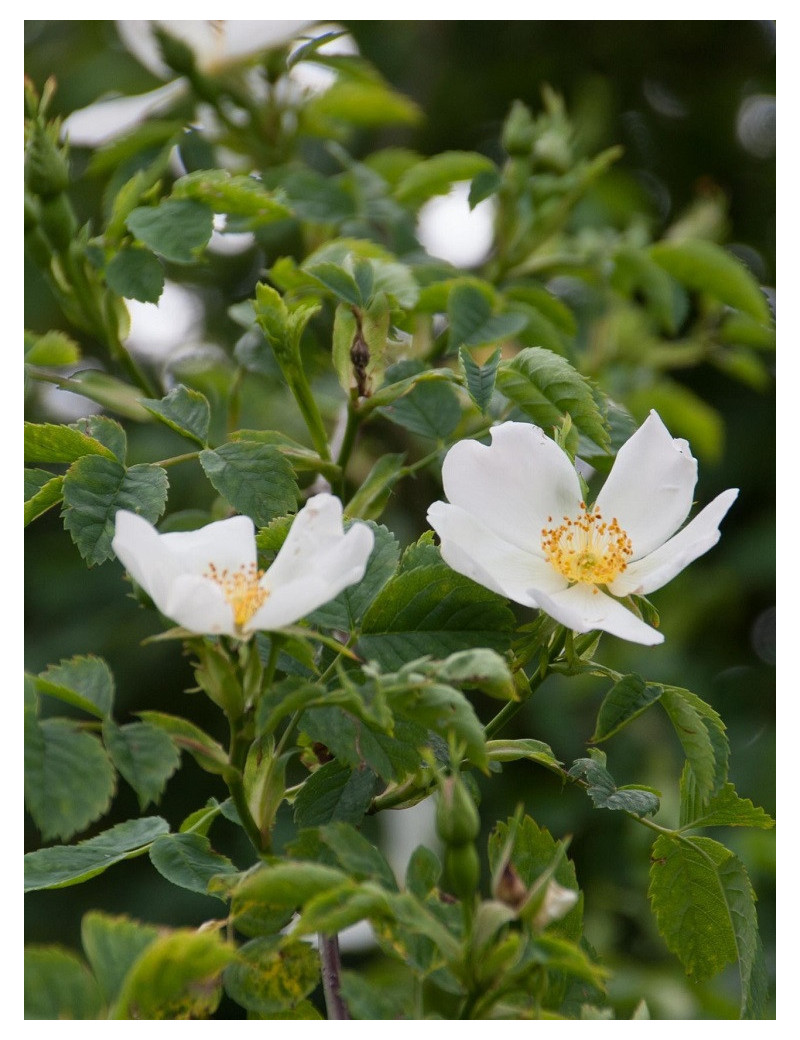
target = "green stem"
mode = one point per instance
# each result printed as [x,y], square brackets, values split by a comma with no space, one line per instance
[177,458]
[301,390]
[348,441]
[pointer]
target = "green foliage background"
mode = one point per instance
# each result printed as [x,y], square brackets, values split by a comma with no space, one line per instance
[718,616]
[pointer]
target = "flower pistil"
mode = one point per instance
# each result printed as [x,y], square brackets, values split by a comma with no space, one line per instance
[587,548]
[241,588]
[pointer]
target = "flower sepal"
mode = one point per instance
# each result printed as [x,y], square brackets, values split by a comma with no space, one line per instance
[219,677]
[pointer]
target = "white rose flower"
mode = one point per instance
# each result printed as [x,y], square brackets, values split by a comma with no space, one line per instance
[209,582]
[516,522]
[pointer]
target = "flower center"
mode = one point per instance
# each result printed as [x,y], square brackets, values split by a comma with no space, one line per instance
[241,589]
[587,548]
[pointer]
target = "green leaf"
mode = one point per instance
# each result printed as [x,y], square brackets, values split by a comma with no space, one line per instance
[337,280]
[284,885]
[178,976]
[187,860]
[704,905]
[431,409]
[359,104]
[727,809]
[271,974]
[112,945]
[58,985]
[208,754]
[69,781]
[472,323]
[334,792]
[707,267]
[447,712]
[144,755]
[480,378]
[332,912]
[546,387]
[108,391]
[683,412]
[432,610]
[348,608]
[479,669]
[237,195]
[370,499]
[185,411]
[84,682]
[513,750]
[423,872]
[368,1000]
[53,348]
[63,865]
[176,229]
[435,176]
[42,492]
[106,430]
[392,755]
[702,735]
[136,274]
[626,700]
[605,794]
[95,488]
[47,442]
[255,478]
[357,856]
[636,271]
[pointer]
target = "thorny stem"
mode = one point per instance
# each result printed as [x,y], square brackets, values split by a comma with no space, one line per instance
[331,971]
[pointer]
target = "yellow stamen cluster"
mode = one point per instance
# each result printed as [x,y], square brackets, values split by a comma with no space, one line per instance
[587,548]
[241,589]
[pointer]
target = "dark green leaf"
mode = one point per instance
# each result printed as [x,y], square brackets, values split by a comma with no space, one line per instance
[605,794]
[42,492]
[188,737]
[69,781]
[705,909]
[136,274]
[176,229]
[337,280]
[626,700]
[707,267]
[430,409]
[106,430]
[334,792]
[58,985]
[112,945]
[185,411]
[727,809]
[546,387]
[432,610]
[144,755]
[187,860]
[702,735]
[63,865]
[255,478]
[423,872]
[368,1000]
[84,682]
[95,488]
[480,378]
[370,499]
[356,855]
[472,323]
[391,755]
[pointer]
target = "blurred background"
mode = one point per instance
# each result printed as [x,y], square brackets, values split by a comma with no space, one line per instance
[693,105]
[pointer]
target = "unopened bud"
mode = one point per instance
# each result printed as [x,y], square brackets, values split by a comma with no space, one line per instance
[46,165]
[457,820]
[519,130]
[462,870]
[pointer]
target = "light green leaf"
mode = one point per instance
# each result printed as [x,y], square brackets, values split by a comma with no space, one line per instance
[112,945]
[635,270]
[331,912]
[255,478]
[63,865]
[85,682]
[176,229]
[48,442]
[42,492]
[187,860]
[185,411]
[368,1000]
[704,905]
[546,387]
[370,499]
[480,378]
[58,985]
[237,195]
[108,391]
[707,267]
[432,610]
[69,781]
[51,349]
[95,488]
[176,977]
[479,669]
[436,175]
[136,274]
[626,700]
[359,104]
[685,413]
[106,430]
[144,755]
[513,750]
[271,974]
